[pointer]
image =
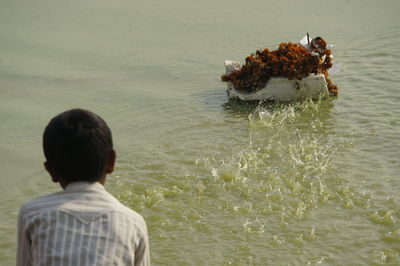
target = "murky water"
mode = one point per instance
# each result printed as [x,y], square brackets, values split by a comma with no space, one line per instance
[219,183]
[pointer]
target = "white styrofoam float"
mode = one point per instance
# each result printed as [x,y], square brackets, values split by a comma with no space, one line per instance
[280,88]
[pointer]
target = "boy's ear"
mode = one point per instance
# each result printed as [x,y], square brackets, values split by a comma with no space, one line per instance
[51,172]
[111,162]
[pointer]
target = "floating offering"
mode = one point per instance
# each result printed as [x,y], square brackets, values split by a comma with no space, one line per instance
[293,71]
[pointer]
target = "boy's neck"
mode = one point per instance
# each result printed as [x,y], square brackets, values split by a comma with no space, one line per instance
[63,184]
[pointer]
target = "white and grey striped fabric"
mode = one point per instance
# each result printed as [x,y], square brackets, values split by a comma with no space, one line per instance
[82,225]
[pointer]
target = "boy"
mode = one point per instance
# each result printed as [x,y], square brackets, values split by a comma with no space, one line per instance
[84,224]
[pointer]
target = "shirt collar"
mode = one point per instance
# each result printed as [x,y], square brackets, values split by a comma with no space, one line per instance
[80,186]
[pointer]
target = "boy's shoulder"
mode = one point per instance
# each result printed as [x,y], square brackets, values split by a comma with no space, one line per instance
[41,203]
[80,200]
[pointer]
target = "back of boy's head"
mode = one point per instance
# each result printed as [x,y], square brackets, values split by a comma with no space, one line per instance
[77,145]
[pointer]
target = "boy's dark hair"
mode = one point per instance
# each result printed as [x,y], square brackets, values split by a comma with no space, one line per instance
[77,144]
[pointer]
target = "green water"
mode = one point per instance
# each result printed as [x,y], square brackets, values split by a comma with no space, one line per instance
[219,183]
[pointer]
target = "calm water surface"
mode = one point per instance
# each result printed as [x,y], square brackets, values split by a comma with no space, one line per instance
[219,183]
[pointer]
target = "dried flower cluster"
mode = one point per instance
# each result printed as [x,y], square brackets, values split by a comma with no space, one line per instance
[289,60]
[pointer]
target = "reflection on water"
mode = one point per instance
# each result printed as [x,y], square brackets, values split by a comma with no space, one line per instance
[219,182]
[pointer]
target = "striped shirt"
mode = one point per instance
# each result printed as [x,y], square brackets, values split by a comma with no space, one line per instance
[82,225]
